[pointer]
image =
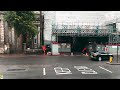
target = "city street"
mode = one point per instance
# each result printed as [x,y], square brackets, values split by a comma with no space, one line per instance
[56,67]
[66,37]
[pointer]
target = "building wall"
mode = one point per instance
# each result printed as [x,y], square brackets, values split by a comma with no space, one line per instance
[49,19]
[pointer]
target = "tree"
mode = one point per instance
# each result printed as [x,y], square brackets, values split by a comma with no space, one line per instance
[23,23]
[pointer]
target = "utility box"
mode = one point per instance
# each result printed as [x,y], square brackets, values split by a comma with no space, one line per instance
[54,47]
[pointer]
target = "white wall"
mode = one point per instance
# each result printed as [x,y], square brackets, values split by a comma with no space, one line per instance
[49,20]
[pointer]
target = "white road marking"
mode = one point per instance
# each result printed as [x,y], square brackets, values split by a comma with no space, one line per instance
[89,72]
[44,73]
[60,70]
[85,70]
[105,69]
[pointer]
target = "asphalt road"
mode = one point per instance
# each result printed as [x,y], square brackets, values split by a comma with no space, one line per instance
[56,67]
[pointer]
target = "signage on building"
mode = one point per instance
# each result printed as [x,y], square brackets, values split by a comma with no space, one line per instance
[64,47]
[118,26]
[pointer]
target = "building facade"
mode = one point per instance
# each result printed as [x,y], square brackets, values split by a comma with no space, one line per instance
[8,41]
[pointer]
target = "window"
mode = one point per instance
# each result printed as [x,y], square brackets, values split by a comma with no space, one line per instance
[35,40]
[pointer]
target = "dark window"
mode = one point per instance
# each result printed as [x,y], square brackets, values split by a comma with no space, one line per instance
[35,41]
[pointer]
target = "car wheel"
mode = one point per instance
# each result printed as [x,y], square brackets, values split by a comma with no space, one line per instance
[99,58]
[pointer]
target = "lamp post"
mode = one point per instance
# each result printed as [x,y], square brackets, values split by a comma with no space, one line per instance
[117,45]
[117,37]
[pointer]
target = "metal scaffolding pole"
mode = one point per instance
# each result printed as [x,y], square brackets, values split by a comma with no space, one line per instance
[117,45]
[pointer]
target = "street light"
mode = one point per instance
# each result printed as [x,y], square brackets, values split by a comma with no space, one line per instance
[117,38]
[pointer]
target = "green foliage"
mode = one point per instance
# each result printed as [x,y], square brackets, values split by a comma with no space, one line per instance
[22,21]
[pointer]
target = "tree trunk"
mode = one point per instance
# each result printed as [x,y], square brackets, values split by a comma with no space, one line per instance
[15,38]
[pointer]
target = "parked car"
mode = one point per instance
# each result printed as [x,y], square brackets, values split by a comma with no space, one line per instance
[100,55]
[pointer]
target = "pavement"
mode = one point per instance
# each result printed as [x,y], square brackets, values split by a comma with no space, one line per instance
[12,55]
[23,55]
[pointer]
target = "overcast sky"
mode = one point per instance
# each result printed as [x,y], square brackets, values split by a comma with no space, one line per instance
[96,17]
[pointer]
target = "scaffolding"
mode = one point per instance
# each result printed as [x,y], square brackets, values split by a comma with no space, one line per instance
[76,30]
[114,38]
[79,30]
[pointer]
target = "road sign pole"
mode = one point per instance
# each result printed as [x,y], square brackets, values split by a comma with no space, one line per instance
[117,53]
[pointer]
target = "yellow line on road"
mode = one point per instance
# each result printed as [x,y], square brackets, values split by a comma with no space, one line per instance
[1,76]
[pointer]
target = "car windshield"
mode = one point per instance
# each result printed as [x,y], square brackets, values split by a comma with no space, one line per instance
[102,52]
[94,51]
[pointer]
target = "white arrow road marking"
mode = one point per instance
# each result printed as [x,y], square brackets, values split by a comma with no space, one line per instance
[105,69]
[44,73]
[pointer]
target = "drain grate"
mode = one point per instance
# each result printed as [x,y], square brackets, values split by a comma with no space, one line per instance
[16,69]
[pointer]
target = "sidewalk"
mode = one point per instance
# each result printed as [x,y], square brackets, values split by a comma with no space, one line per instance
[20,55]
[12,55]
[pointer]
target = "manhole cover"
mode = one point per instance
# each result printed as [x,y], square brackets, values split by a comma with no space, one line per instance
[16,69]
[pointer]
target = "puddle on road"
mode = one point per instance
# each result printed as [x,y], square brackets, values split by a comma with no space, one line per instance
[17,70]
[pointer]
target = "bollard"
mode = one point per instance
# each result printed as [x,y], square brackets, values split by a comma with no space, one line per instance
[72,54]
[1,76]
[110,59]
[99,58]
